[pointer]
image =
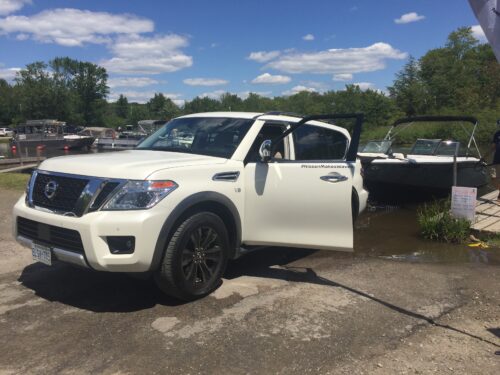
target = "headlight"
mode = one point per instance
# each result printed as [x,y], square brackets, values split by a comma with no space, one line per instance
[137,195]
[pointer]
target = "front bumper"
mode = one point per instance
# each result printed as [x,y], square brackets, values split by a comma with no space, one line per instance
[144,225]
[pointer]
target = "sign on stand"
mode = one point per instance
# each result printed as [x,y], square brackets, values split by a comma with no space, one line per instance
[463,202]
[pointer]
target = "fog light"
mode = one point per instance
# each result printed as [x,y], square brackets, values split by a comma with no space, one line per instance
[121,244]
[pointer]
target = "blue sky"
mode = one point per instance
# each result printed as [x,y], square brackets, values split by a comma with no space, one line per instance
[198,47]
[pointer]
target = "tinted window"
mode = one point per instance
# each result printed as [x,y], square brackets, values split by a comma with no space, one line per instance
[199,135]
[268,131]
[316,143]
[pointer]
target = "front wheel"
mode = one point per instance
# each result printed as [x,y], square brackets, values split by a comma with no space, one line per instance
[195,257]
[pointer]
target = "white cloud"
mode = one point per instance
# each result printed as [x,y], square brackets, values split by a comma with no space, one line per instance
[342,77]
[409,17]
[213,94]
[142,96]
[263,56]
[478,33]
[11,6]
[338,61]
[308,37]
[297,89]
[365,85]
[271,79]
[74,27]
[135,54]
[205,82]
[8,73]
[131,82]
[319,86]
[245,94]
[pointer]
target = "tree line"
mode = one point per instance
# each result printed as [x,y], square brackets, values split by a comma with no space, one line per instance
[462,77]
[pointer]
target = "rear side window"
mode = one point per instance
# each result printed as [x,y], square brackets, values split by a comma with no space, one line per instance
[317,143]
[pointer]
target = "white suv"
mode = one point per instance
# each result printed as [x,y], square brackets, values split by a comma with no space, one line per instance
[6,132]
[203,189]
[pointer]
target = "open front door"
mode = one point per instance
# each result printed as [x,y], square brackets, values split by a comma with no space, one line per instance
[304,201]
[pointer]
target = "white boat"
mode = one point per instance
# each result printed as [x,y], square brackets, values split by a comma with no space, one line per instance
[428,165]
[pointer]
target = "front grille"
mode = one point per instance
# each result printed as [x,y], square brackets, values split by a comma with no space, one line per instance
[105,192]
[67,193]
[62,238]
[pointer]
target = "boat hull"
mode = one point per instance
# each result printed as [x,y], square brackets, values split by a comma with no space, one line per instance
[60,144]
[425,177]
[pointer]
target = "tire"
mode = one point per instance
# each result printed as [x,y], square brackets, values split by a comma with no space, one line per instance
[195,258]
[354,205]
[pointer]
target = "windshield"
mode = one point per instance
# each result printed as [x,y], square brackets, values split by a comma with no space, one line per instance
[425,146]
[449,148]
[199,135]
[377,147]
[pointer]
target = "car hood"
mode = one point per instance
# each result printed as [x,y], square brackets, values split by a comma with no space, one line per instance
[131,164]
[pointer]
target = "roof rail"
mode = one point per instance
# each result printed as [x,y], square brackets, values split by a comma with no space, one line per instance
[282,113]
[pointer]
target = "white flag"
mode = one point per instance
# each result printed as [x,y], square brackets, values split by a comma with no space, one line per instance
[488,14]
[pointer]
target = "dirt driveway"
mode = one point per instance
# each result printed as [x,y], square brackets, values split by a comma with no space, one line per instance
[278,311]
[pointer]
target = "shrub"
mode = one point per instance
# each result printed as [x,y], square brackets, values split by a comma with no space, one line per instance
[437,223]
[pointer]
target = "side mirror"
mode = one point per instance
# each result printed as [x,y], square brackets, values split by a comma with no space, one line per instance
[265,150]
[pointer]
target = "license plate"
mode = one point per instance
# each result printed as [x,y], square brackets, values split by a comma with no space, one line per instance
[42,254]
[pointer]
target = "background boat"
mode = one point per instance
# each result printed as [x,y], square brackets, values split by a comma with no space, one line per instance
[429,165]
[48,134]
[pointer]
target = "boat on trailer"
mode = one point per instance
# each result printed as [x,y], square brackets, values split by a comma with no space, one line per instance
[131,136]
[49,134]
[429,165]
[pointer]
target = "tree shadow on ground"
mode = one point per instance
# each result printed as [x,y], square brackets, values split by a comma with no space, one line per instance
[308,275]
[113,292]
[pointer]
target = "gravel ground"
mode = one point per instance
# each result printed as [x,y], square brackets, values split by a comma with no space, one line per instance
[278,311]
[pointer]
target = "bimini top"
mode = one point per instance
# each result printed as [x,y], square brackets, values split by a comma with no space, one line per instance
[407,120]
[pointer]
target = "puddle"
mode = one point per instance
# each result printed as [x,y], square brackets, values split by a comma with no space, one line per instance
[393,233]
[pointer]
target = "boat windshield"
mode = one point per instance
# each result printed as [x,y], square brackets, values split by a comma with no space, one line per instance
[448,148]
[212,136]
[425,147]
[382,147]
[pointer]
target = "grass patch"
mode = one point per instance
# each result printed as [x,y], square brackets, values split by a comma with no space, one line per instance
[436,223]
[4,139]
[14,181]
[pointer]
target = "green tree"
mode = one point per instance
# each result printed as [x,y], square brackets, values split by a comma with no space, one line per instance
[162,108]
[36,93]
[204,104]
[257,103]
[230,102]
[138,112]
[90,86]
[7,110]
[408,90]
[121,107]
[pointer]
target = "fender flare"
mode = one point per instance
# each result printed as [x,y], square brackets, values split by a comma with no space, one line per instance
[189,202]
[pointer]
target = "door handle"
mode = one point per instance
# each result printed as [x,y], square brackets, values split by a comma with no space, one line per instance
[334,177]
